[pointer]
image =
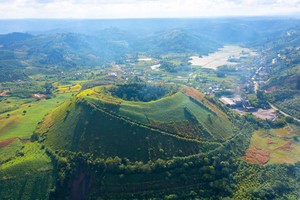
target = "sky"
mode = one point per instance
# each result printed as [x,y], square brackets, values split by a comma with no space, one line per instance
[107,9]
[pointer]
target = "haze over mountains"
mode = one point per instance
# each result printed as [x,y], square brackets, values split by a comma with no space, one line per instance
[71,43]
[114,109]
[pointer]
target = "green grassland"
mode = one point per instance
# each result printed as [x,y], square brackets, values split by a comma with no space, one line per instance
[69,88]
[171,110]
[27,175]
[25,169]
[274,140]
[31,159]
[8,104]
[9,151]
[22,125]
[20,157]
[91,129]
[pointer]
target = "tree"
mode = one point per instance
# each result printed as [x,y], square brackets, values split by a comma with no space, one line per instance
[168,66]
[48,87]
[171,196]
[221,74]
[209,118]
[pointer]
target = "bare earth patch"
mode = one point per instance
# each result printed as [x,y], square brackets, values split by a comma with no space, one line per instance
[191,92]
[4,93]
[286,147]
[270,141]
[279,143]
[4,143]
[257,155]
[39,96]
[265,114]
[271,89]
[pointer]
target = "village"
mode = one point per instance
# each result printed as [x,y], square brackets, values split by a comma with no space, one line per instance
[232,74]
[230,90]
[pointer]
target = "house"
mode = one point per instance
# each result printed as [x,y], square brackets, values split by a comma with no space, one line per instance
[227,101]
[231,102]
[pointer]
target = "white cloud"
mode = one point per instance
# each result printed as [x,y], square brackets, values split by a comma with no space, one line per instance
[143,8]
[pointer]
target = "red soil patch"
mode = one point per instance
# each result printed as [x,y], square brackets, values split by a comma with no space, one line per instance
[191,92]
[4,93]
[4,143]
[200,97]
[286,147]
[270,141]
[271,89]
[257,155]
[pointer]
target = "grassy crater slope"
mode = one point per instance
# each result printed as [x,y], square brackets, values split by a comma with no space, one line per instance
[179,122]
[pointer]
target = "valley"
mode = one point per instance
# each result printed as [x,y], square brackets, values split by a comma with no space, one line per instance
[151,113]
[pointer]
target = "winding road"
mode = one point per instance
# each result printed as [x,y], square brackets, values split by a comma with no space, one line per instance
[256,87]
[283,113]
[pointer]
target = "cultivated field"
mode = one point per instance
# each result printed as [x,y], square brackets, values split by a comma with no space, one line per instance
[22,122]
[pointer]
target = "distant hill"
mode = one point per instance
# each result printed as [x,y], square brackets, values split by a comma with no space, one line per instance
[283,86]
[10,66]
[181,41]
[77,43]
[58,51]
[12,38]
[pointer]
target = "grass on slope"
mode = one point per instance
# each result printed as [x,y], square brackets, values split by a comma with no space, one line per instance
[69,88]
[20,125]
[9,151]
[290,106]
[27,176]
[78,126]
[10,103]
[171,109]
[282,144]
[31,159]
[168,108]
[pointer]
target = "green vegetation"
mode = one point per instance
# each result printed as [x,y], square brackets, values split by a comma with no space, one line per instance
[92,128]
[29,159]
[9,148]
[28,175]
[141,92]
[283,85]
[281,144]
[258,100]
[270,182]
[118,114]
[287,101]
[22,125]
[169,113]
